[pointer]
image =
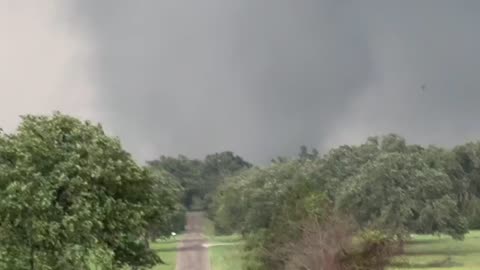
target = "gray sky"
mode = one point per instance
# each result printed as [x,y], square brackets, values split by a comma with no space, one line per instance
[256,77]
[43,62]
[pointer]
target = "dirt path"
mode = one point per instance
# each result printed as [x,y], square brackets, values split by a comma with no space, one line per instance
[192,254]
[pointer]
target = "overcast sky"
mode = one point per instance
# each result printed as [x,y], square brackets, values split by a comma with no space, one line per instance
[260,78]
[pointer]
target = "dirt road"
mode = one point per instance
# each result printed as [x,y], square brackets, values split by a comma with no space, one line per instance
[192,255]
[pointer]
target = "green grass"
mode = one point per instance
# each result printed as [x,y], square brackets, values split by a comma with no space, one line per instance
[167,250]
[209,229]
[226,252]
[428,252]
[424,252]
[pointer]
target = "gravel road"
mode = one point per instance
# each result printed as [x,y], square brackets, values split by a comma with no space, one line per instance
[192,254]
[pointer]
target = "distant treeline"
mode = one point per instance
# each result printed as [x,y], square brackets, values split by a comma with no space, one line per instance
[199,179]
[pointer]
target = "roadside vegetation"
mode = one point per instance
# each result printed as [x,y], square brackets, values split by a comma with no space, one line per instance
[441,252]
[422,252]
[72,198]
[227,254]
[167,250]
[354,208]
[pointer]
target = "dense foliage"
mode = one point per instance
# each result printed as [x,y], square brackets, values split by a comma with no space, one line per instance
[200,178]
[71,197]
[385,188]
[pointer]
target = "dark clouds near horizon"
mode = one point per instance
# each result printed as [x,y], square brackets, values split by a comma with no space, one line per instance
[262,78]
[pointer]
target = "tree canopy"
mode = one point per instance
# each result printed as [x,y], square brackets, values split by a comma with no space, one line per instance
[70,196]
[200,178]
[386,187]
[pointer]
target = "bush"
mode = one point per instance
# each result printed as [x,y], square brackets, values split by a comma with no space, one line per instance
[336,244]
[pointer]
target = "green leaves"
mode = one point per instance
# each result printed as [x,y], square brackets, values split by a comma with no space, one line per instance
[384,185]
[400,193]
[200,178]
[68,190]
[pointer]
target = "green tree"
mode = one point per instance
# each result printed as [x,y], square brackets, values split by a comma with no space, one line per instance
[376,193]
[70,196]
[393,143]
[468,159]
[216,168]
[306,155]
[200,178]
[399,193]
[165,213]
[187,172]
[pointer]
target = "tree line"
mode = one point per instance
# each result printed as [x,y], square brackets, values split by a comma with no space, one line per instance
[352,208]
[72,198]
[364,200]
[199,178]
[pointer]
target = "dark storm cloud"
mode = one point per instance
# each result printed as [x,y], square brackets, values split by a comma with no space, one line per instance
[415,43]
[263,77]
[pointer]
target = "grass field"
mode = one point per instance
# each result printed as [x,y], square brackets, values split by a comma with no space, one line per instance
[226,252]
[428,252]
[209,229]
[167,251]
[424,252]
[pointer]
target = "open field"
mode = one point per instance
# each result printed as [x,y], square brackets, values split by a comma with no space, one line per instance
[209,229]
[424,252]
[226,252]
[428,252]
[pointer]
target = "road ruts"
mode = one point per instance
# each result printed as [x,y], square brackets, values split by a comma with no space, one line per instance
[192,254]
